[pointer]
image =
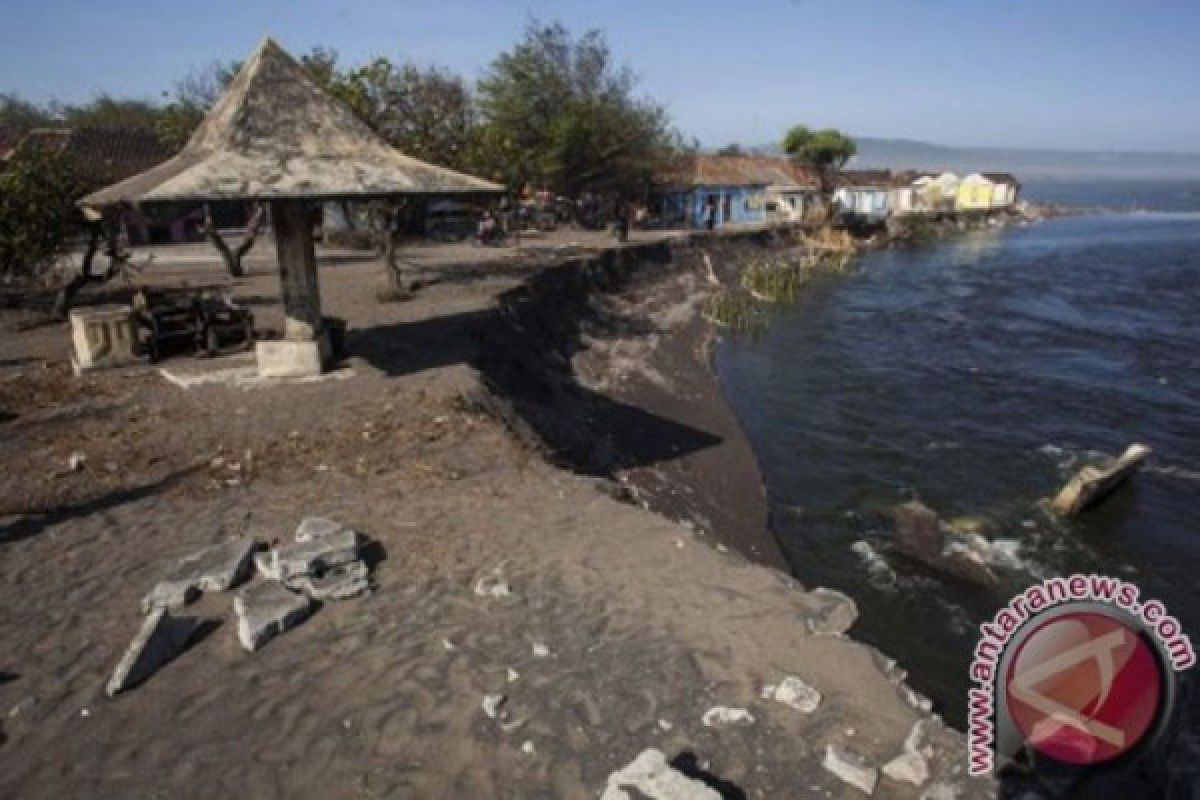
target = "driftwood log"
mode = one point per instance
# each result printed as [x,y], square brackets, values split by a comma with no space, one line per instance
[1092,484]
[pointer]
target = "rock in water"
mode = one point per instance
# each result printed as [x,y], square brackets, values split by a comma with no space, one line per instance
[850,767]
[649,775]
[267,610]
[313,528]
[213,569]
[160,639]
[1092,484]
[306,558]
[917,530]
[349,580]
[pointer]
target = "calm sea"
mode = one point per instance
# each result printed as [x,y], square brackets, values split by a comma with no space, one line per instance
[976,375]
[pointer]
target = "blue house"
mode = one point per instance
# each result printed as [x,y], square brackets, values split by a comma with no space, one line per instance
[733,189]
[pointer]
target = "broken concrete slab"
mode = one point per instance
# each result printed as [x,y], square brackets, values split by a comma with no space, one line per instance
[159,640]
[911,765]
[829,611]
[214,569]
[922,536]
[795,694]
[649,775]
[309,558]
[313,528]
[1092,484]
[726,717]
[850,767]
[339,583]
[267,610]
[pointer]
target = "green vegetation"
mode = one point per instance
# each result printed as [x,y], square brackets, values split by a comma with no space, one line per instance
[38,216]
[826,151]
[735,310]
[775,281]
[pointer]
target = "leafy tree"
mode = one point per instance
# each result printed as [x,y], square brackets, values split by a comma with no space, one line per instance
[21,115]
[556,110]
[194,95]
[38,215]
[827,151]
[106,111]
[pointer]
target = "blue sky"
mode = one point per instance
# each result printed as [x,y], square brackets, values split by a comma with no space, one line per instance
[1087,74]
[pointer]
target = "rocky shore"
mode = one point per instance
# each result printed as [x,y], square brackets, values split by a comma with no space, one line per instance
[547,429]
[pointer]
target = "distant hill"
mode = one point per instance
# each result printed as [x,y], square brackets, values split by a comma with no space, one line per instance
[1024,162]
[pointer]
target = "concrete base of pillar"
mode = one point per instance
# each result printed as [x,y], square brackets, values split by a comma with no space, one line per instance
[284,358]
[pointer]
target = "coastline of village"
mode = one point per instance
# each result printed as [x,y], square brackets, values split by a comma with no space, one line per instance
[555,575]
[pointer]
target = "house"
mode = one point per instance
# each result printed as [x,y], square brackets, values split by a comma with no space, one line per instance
[903,195]
[974,193]
[936,192]
[862,195]
[1005,188]
[737,189]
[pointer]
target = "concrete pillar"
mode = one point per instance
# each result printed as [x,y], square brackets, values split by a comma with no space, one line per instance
[304,349]
[297,256]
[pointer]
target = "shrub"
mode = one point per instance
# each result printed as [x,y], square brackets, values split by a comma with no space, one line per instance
[38,214]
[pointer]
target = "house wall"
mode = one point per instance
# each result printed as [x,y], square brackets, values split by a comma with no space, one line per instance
[864,201]
[975,194]
[734,204]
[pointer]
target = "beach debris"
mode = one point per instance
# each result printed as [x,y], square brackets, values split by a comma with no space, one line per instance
[829,611]
[665,725]
[511,675]
[448,645]
[493,705]
[339,583]
[311,529]
[794,693]
[1092,484]
[540,650]
[649,775]
[850,767]
[308,558]
[266,610]
[911,765]
[727,717]
[160,639]
[527,747]
[76,460]
[23,708]
[214,569]
[492,586]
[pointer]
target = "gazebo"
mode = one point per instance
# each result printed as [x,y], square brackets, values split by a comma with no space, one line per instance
[276,136]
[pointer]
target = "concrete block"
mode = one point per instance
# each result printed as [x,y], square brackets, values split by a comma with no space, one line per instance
[213,569]
[286,358]
[266,610]
[103,336]
[309,558]
[160,639]
[338,583]
[312,528]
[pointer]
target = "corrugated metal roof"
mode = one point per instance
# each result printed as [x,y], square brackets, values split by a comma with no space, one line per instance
[714,170]
[276,134]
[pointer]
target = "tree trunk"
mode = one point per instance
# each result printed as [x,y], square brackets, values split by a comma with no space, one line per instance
[104,229]
[233,256]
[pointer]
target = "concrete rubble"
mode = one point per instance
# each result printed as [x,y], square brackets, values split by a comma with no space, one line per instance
[726,717]
[314,528]
[650,776]
[850,767]
[829,611]
[159,640]
[1092,484]
[266,610]
[309,558]
[213,569]
[339,583]
[795,694]
[911,766]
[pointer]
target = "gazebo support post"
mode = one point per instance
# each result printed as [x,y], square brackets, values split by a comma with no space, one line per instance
[304,349]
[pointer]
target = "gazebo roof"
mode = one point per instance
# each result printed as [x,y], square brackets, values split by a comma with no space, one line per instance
[275,134]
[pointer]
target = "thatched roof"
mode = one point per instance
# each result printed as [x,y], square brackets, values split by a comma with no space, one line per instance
[276,134]
[755,170]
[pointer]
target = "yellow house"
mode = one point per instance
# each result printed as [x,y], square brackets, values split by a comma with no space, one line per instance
[975,193]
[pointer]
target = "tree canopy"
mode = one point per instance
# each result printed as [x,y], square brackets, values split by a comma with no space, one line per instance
[826,150]
[557,110]
[38,216]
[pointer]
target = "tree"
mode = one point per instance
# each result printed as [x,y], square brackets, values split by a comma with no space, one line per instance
[556,110]
[38,215]
[826,151]
[194,95]
[731,149]
[21,115]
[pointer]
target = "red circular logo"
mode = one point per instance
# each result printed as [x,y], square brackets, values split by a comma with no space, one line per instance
[1084,687]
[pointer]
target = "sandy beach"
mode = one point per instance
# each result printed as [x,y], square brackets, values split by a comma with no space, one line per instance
[542,421]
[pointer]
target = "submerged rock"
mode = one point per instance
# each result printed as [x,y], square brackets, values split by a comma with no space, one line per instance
[850,767]
[918,531]
[923,537]
[649,775]
[159,640]
[213,569]
[1092,484]
[267,610]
